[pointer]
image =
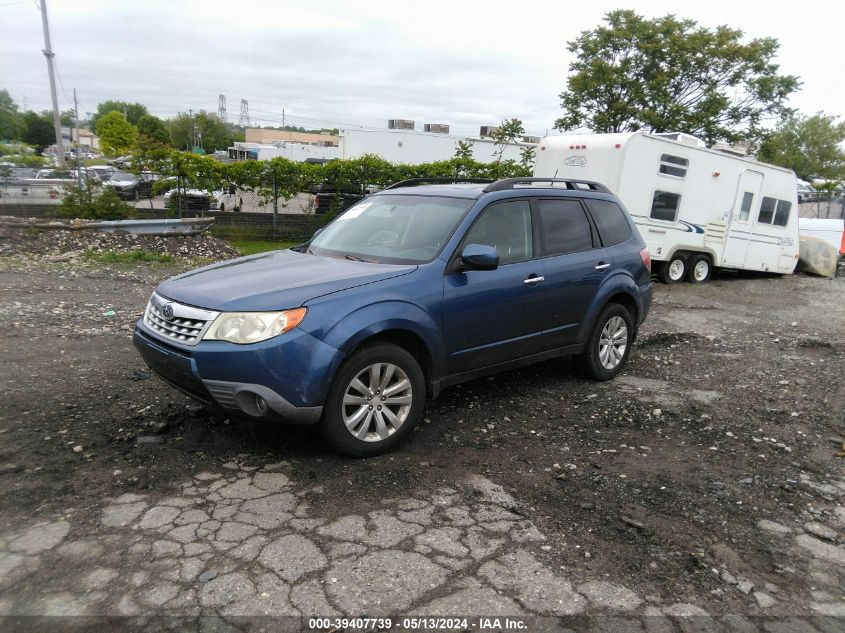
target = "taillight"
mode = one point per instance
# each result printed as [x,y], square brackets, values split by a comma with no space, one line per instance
[646,257]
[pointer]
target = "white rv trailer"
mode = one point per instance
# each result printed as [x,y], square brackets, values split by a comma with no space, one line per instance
[696,208]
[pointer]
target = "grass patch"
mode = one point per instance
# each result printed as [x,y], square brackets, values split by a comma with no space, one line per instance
[91,162]
[128,257]
[251,247]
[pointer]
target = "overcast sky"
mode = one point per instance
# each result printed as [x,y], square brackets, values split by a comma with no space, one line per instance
[343,64]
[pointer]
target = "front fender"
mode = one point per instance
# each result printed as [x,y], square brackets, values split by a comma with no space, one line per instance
[370,320]
[617,283]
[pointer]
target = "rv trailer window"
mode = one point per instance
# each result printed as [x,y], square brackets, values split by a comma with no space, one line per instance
[767,210]
[782,213]
[745,209]
[673,165]
[611,221]
[665,205]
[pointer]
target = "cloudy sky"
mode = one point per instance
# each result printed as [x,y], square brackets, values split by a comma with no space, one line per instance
[346,64]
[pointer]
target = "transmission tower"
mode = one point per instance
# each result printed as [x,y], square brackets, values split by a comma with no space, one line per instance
[221,107]
[243,121]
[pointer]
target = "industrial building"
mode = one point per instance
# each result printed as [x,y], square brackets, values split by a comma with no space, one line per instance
[399,143]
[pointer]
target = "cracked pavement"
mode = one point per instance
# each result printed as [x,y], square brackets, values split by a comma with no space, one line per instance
[252,541]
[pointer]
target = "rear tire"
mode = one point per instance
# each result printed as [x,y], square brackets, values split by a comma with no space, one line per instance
[376,399]
[609,344]
[700,269]
[673,270]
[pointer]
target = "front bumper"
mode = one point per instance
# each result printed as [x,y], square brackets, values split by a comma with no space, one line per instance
[290,376]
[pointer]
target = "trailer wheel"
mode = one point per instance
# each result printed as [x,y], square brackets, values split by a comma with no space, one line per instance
[700,269]
[673,270]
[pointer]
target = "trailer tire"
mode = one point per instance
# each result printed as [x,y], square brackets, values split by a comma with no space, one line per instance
[700,269]
[673,269]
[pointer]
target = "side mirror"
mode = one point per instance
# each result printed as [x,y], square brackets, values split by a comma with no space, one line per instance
[479,257]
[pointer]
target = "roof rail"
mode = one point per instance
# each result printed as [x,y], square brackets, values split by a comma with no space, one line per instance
[413,182]
[578,185]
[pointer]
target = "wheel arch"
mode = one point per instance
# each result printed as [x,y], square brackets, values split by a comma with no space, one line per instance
[408,340]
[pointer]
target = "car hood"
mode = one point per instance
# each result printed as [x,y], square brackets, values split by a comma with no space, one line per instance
[273,281]
[120,183]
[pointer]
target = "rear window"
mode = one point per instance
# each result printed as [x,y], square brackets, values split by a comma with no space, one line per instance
[610,220]
[564,227]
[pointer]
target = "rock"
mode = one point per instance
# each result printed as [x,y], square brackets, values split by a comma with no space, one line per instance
[10,468]
[821,550]
[150,439]
[773,527]
[764,600]
[822,531]
[38,538]
[210,574]
[745,586]
[78,448]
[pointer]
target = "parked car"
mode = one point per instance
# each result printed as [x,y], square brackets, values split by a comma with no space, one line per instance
[418,287]
[806,193]
[128,186]
[103,172]
[328,198]
[220,200]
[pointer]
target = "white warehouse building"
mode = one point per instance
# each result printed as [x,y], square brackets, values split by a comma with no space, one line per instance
[406,146]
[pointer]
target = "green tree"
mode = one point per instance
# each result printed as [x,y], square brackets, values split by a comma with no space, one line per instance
[117,136]
[39,131]
[667,74]
[133,111]
[508,131]
[527,155]
[204,129]
[463,150]
[12,124]
[811,146]
[153,128]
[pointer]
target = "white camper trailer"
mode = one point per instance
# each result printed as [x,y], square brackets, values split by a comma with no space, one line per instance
[696,208]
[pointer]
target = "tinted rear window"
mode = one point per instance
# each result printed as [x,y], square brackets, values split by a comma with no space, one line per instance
[610,220]
[564,227]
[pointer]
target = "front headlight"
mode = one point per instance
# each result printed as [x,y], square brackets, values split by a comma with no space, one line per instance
[252,327]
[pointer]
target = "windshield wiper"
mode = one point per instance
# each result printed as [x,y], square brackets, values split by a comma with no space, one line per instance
[356,259]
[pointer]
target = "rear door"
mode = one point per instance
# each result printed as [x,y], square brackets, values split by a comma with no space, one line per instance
[575,263]
[746,201]
[493,316]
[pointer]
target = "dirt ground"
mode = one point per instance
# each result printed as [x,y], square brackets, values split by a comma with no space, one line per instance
[702,485]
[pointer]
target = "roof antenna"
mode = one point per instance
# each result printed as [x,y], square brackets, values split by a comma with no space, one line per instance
[555,176]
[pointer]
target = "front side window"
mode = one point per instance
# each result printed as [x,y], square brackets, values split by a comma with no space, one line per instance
[767,210]
[506,226]
[782,213]
[392,229]
[745,209]
[564,227]
[673,165]
[664,206]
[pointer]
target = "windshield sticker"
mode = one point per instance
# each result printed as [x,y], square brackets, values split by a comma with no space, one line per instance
[355,211]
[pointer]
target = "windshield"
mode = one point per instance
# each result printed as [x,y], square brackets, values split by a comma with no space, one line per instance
[392,229]
[122,175]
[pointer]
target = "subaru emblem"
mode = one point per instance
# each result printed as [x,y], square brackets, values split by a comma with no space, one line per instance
[167,311]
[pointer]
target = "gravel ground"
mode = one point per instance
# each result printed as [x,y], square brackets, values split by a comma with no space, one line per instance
[700,490]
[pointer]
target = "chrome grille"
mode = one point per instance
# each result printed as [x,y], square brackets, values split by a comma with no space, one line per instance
[186,326]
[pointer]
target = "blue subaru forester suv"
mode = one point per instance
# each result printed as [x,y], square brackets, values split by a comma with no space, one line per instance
[413,289]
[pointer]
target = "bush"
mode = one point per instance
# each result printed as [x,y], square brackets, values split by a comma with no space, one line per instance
[93,204]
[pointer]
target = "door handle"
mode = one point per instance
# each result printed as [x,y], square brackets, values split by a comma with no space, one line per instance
[602,266]
[533,280]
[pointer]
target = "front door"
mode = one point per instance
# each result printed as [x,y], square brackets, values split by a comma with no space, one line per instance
[739,225]
[493,316]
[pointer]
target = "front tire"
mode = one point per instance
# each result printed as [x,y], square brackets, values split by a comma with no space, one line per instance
[609,344]
[376,399]
[673,270]
[700,269]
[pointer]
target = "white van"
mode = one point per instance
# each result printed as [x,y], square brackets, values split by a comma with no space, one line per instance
[696,208]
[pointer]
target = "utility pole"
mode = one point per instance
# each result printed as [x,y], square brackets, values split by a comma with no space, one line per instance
[48,53]
[76,121]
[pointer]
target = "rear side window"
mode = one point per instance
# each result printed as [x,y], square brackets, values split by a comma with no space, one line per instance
[564,227]
[782,213]
[767,210]
[610,220]
[664,206]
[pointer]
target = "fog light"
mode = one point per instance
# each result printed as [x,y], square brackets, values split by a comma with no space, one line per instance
[260,405]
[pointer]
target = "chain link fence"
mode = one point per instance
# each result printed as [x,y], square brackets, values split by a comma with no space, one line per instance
[822,205]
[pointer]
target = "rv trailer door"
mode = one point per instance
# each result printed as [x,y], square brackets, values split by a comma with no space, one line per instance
[746,201]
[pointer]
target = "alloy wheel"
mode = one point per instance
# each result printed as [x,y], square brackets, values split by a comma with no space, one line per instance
[613,342]
[377,402]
